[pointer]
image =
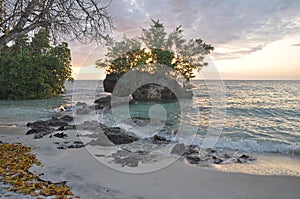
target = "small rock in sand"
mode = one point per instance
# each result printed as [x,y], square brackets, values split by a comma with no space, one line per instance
[178,149]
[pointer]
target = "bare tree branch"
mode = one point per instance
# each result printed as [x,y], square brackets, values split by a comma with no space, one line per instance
[82,20]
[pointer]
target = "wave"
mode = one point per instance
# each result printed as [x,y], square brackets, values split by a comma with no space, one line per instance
[265,146]
[262,112]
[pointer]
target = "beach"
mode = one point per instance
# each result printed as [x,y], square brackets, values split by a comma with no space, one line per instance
[149,100]
[264,129]
[89,178]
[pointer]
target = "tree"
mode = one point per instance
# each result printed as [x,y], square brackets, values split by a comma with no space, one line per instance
[156,45]
[82,20]
[34,69]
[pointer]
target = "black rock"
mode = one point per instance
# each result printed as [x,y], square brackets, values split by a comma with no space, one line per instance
[76,144]
[178,149]
[240,160]
[96,107]
[82,111]
[67,118]
[40,130]
[68,127]
[216,160]
[38,123]
[99,155]
[89,126]
[60,135]
[191,149]
[211,151]
[226,156]
[119,136]
[244,156]
[157,92]
[104,101]
[38,136]
[110,81]
[56,122]
[159,138]
[61,147]
[193,158]
[81,104]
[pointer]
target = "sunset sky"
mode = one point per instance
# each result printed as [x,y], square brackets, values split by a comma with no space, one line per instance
[257,39]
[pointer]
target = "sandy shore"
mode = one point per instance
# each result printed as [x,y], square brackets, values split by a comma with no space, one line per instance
[90,179]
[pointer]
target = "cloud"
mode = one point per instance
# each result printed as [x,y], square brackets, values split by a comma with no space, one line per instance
[236,25]
[234,54]
[295,45]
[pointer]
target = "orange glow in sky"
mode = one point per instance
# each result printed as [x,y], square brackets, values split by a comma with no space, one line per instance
[278,60]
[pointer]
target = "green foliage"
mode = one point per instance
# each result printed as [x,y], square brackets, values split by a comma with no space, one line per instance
[31,70]
[155,45]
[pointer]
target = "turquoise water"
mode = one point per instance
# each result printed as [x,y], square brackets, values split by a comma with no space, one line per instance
[260,116]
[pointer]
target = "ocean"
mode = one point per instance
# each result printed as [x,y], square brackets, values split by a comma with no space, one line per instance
[255,116]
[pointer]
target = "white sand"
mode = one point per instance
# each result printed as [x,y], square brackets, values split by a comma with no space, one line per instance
[91,179]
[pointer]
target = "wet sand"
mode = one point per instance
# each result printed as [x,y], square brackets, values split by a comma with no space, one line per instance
[90,179]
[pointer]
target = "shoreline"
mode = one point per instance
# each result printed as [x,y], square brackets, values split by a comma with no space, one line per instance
[267,164]
[90,178]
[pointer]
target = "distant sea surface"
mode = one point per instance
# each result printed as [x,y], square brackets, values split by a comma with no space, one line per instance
[260,116]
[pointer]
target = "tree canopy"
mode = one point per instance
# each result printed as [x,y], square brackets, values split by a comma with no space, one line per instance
[156,45]
[82,20]
[31,69]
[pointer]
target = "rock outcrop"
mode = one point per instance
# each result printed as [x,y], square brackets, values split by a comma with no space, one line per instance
[110,81]
[147,92]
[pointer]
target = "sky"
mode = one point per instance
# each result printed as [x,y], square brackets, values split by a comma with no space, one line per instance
[255,39]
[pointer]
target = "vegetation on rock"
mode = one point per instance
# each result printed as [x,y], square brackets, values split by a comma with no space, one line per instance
[156,46]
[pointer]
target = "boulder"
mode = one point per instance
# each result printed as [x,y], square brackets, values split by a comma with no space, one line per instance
[39,128]
[217,160]
[147,92]
[93,126]
[76,145]
[67,118]
[156,92]
[81,105]
[56,122]
[161,138]
[193,158]
[101,140]
[38,123]
[67,127]
[83,111]
[60,135]
[119,136]
[110,81]
[103,101]
[153,92]
[178,149]
[44,130]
